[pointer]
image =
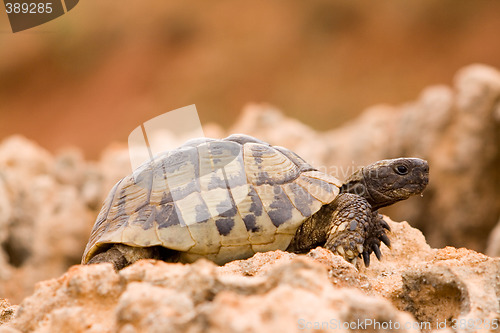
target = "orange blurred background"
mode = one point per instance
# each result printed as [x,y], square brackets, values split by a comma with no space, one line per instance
[91,76]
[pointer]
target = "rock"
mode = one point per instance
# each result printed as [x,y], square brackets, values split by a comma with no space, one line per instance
[436,284]
[27,158]
[164,307]
[464,194]
[5,216]
[92,189]
[114,164]
[413,285]
[447,287]
[195,298]
[44,223]
[493,249]
[6,311]
[6,329]
[69,167]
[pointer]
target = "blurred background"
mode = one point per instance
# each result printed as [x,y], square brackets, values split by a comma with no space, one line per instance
[343,83]
[91,76]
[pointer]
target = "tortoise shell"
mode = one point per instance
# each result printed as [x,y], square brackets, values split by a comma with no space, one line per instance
[219,199]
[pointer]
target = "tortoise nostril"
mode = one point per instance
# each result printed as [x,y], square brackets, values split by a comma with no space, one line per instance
[426,167]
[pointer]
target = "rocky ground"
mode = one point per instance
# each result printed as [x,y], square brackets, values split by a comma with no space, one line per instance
[413,286]
[48,204]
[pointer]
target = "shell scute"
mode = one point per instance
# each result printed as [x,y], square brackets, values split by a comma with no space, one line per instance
[266,165]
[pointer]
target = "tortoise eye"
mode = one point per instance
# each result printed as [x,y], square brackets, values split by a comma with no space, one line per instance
[401,170]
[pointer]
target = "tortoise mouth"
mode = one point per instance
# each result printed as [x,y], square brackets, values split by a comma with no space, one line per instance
[418,185]
[417,188]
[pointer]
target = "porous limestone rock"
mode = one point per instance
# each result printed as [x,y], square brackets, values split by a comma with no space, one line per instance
[44,223]
[493,249]
[413,286]
[6,311]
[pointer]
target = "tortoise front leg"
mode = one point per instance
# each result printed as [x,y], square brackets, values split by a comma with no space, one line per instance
[350,227]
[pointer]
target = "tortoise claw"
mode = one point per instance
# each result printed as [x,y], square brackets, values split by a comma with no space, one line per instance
[385,225]
[376,250]
[366,258]
[385,240]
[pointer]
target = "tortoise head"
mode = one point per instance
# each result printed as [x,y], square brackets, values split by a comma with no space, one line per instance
[388,181]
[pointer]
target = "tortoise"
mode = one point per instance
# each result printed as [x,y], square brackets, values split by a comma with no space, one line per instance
[226,199]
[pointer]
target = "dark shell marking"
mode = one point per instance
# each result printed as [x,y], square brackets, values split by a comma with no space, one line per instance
[222,199]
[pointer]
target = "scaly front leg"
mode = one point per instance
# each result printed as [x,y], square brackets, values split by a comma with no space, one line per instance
[351,227]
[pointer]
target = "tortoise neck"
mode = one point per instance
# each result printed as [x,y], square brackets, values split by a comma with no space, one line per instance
[313,231]
[356,184]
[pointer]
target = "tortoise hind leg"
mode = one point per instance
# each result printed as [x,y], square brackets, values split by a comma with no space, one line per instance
[112,255]
[121,255]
